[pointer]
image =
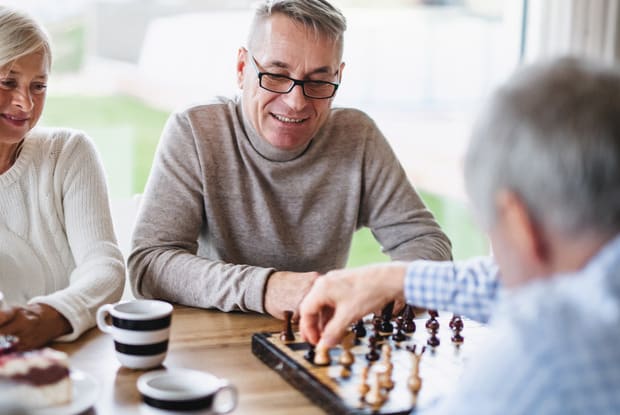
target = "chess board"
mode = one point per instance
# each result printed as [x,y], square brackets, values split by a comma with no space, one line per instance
[440,368]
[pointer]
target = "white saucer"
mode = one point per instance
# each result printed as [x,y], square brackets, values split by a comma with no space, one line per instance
[85,393]
[187,389]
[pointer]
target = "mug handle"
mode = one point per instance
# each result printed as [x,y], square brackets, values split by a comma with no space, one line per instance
[229,405]
[102,313]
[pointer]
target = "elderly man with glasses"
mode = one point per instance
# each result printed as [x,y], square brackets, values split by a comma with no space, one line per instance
[250,198]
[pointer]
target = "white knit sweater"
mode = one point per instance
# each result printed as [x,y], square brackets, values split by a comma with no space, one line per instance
[57,243]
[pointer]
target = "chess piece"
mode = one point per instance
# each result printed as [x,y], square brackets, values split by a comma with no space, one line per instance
[372,354]
[432,325]
[408,316]
[321,356]
[386,318]
[433,340]
[309,356]
[346,357]
[287,334]
[375,396]
[456,324]
[376,330]
[359,329]
[414,383]
[363,387]
[345,372]
[376,335]
[386,375]
[399,336]
[432,322]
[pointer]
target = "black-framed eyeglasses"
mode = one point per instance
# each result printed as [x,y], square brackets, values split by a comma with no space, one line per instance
[282,84]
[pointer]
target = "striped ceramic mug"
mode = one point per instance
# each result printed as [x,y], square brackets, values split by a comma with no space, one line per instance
[140,329]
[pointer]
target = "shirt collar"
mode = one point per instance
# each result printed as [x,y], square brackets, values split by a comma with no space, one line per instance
[594,289]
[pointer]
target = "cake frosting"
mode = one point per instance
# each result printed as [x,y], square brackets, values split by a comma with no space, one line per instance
[36,378]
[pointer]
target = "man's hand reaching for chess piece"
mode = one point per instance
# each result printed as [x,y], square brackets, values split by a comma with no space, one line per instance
[344,296]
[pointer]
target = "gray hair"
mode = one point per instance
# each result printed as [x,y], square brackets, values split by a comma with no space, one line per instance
[552,136]
[318,15]
[20,35]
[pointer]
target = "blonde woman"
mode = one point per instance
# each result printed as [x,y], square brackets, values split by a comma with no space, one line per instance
[59,259]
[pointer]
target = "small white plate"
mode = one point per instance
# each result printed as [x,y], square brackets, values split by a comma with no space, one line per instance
[173,388]
[85,393]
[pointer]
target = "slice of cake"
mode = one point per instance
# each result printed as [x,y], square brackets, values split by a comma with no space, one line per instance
[36,378]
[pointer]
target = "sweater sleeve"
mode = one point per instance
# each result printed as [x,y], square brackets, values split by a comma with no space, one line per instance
[393,210]
[99,275]
[164,262]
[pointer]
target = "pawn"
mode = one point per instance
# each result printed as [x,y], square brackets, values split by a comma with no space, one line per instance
[321,357]
[456,324]
[376,336]
[399,336]
[359,329]
[309,356]
[287,334]
[346,357]
[376,330]
[375,396]
[345,372]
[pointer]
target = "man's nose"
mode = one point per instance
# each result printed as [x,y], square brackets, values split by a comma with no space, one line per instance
[296,99]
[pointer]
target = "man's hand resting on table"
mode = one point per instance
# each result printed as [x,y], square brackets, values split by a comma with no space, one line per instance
[285,290]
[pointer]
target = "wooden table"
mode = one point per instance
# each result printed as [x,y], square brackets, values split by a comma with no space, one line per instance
[206,340]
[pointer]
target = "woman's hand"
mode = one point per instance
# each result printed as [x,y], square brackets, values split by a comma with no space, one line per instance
[35,325]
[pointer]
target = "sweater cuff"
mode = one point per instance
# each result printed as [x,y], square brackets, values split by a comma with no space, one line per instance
[254,297]
[79,320]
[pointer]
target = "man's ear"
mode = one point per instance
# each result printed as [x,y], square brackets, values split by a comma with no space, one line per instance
[526,234]
[241,59]
[342,65]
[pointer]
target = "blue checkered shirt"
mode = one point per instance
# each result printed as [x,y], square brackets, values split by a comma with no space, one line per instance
[554,345]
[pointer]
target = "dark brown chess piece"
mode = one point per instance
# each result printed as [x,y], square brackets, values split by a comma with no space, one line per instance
[372,354]
[456,324]
[309,356]
[399,336]
[386,318]
[376,330]
[432,325]
[287,334]
[359,329]
[408,316]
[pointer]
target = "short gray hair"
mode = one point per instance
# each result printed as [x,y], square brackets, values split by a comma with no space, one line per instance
[318,15]
[552,136]
[20,35]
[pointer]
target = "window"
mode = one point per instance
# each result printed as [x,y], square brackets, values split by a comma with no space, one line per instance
[421,69]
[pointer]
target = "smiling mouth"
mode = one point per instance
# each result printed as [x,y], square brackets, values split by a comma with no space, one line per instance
[15,119]
[288,120]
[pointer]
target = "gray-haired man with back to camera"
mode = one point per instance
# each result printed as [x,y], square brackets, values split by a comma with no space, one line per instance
[249,199]
[543,172]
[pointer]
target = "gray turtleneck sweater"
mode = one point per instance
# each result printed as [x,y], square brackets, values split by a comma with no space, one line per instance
[223,209]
